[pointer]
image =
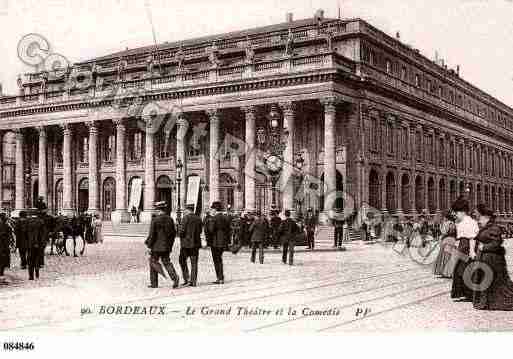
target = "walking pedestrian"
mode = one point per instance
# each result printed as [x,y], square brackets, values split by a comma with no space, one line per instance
[220,239]
[288,232]
[466,230]
[208,228]
[190,243]
[275,222]
[97,229]
[497,291]
[20,229]
[5,250]
[160,241]
[36,239]
[259,232]
[339,222]
[310,224]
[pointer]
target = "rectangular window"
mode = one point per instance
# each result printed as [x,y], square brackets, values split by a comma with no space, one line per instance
[418,145]
[451,156]
[404,142]
[430,149]
[441,153]
[375,134]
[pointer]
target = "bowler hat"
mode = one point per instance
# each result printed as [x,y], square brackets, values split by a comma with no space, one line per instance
[484,210]
[217,206]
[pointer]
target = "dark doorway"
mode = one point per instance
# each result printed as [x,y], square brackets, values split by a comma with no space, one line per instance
[83,195]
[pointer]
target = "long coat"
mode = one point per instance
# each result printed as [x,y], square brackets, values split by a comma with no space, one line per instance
[191,231]
[259,230]
[499,294]
[221,235]
[5,254]
[288,231]
[36,233]
[20,229]
[162,234]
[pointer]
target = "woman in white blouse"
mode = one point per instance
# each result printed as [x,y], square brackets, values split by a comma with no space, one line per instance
[466,230]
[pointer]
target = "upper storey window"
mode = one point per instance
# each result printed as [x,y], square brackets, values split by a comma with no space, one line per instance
[417,80]
[388,66]
[404,73]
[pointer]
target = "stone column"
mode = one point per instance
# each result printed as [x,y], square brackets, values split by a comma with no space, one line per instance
[93,167]
[413,193]
[330,169]
[399,193]
[181,137]
[288,109]
[383,186]
[149,172]
[213,115]
[43,169]
[120,214]
[20,171]
[250,171]
[67,172]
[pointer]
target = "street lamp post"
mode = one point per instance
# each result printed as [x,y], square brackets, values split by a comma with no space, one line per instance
[272,142]
[179,168]
[300,176]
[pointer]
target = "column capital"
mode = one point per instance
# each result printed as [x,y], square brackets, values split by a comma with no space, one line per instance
[92,126]
[66,128]
[213,113]
[288,108]
[330,103]
[119,122]
[18,132]
[41,130]
[249,110]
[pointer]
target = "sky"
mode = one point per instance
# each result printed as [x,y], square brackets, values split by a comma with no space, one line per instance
[475,34]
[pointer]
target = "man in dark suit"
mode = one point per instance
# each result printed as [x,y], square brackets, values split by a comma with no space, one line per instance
[259,231]
[288,232]
[36,240]
[275,226]
[220,239]
[160,242]
[208,228]
[310,224]
[20,229]
[190,243]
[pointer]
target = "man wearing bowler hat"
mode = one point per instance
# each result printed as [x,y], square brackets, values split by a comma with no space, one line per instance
[160,242]
[220,239]
[190,243]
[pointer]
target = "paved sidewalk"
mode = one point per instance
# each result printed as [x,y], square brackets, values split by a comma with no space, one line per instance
[323,292]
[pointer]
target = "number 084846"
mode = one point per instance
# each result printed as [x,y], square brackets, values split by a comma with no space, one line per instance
[18,346]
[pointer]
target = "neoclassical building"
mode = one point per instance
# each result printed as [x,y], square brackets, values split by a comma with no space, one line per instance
[356,112]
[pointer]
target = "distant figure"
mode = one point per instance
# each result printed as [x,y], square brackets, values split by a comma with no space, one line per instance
[160,241]
[288,232]
[20,230]
[310,224]
[259,231]
[97,229]
[220,239]
[36,241]
[5,250]
[133,213]
[190,243]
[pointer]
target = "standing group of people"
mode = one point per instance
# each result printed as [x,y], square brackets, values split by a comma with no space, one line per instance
[32,235]
[473,255]
[161,238]
[223,232]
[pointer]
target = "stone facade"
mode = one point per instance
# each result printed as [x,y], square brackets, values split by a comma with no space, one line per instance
[368,115]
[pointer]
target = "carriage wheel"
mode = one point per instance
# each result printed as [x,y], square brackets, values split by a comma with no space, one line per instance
[79,246]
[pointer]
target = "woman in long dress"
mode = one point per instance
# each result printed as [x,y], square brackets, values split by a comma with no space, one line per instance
[466,231]
[448,234]
[97,224]
[497,291]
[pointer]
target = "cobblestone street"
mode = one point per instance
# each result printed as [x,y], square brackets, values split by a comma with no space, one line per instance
[323,292]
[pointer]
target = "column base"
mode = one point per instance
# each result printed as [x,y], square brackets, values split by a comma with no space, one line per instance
[120,216]
[93,211]
[146,215]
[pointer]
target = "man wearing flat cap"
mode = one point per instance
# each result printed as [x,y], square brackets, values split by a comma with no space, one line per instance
[220,239]
[160,242]
[190,243]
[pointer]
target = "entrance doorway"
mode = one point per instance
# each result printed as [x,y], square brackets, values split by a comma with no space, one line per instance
[109,198]
[83,195]
[35,193]
[165,191]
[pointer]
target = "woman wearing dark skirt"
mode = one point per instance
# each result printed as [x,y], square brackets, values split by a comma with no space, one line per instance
[497,291]
[443,266]
[466,231]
